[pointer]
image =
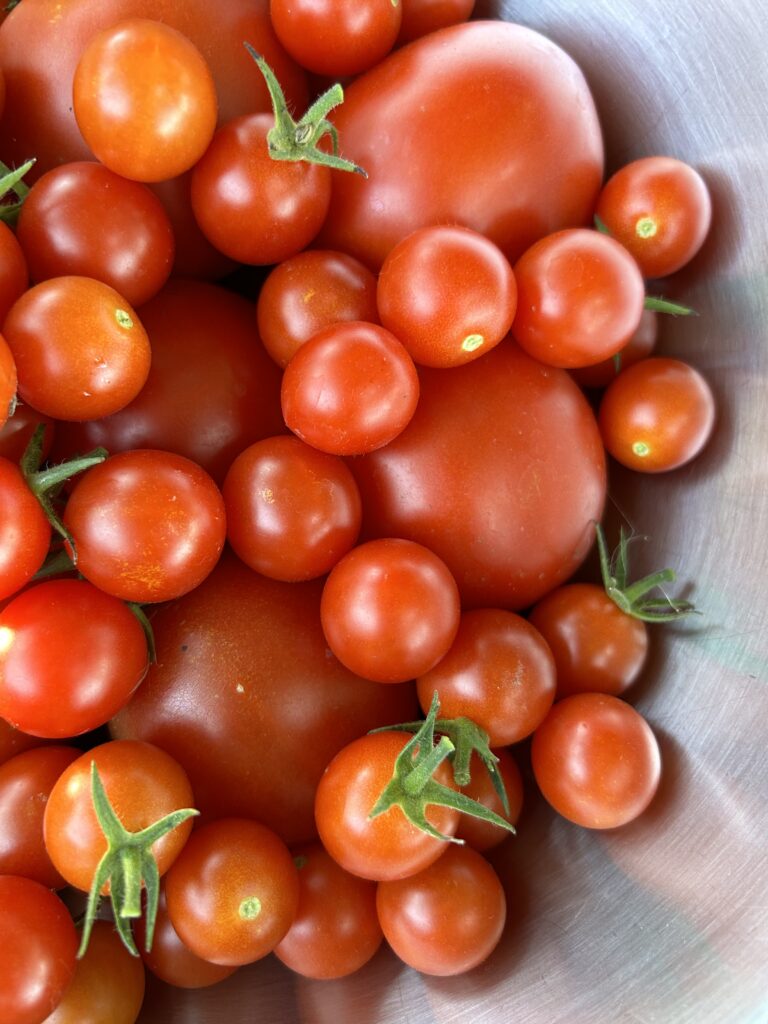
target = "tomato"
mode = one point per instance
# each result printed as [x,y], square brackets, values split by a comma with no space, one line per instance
[143,784]
[194,256]
[233,892]
[18,431]
[335,930]
[84,219]
[596,760]
[505,490]
[499,672]
[337,37]
[580,298]
[81,352]
[292,511]
[597,647]
[25,534]
[246,658]
[108,984]
[13,741]
[639,346]
[389,845]
[484,835]
[390,610]
[660,210]
[455,149]
[420,17]
[70,657]
[446,919]
[350,389]
[26,781]
[8,381]
[448,294]
[14,275]
[657,415]
[311,291]
[147,525]
[39,943]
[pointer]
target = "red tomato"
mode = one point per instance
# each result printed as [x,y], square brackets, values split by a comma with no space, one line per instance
[446,919]
[420,17]
[596,760]
[25,533]
[194,255]
[484,835]
[8,381]
[18,431]
[639,346]
[471,158]
[13,741]
[14,275]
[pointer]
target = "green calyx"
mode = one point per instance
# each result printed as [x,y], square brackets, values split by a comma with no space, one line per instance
[631,597]
[127,864]
[299,140]
[11,183]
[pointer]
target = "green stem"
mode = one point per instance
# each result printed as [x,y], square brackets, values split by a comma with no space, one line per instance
[658,304]
[415,782]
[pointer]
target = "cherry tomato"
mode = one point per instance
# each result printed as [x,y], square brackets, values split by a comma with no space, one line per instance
[420,17]
[14,275]
[18,431]
[657,415]
[233,892]
[390,610]
[484,835]
[446,919]
[194,256]
[448,294]
[660,210]
[145,100]
[70,657]
[8,381]
[597,647]
[13,741]
[311,291]
[639,346]
[350,389]
[25,534]
[596,760]
[292,511]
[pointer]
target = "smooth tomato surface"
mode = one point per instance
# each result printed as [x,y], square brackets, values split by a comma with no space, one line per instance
[8,381]
[639,346]
[484,835]
[14,274]
[25,533]
[420,17]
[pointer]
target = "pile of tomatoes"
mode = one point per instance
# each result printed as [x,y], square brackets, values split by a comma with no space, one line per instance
[305,430]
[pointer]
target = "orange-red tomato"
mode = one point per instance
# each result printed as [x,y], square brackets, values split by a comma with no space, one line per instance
[484,835]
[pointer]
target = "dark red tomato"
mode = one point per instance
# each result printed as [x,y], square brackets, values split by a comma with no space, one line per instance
[81,352]
[390,610]
[580,298]
[25,533]
[639,346]
[499,672]
[657,415]
[337,37]
[448,294]
[309,292]
[471,158]
[108,984]
[387,846]
[233,892]
[38,115]
[350,389]
[484,835]
[211,390]
[597,647]
[505,490]
[13,741]
[84,219]
[446,919]
[18,431]
[143,784]
[39,943]
[25,785]
[14,276]
[336,929]
[660,210]
[147,525]
[70,657]
[292,511]
[8,381]
[420,17]
[596,760]
[245,657]
[252,208]
[170,960]
[194,256]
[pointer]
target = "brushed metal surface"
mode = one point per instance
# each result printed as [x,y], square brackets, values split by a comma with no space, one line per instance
[663,922]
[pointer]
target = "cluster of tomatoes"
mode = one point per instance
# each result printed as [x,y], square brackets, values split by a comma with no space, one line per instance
[238,520]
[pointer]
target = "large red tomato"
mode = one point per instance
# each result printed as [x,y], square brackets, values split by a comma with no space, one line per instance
[488,125]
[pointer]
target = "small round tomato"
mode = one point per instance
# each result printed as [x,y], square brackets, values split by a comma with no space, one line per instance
[350,389]
[233,892]
[446,919]
[25,533]
[448,294]
[596,760]
[580,298]
[597,647]
[14,275]
[657,415]
[8,381]
[639,346]
[390,610]
[144,100]
[484,835]
[422,17]
[660,210]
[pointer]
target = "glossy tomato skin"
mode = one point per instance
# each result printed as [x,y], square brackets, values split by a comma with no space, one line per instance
[484,835]
[25,533]
[13,741]
[194,256]
[260,642]
[420,17]
[387,846]
[14,273]
[596,760]
[39,943]
[639,346]
[471,159]
[8,381]
[446,919]
[505,490]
